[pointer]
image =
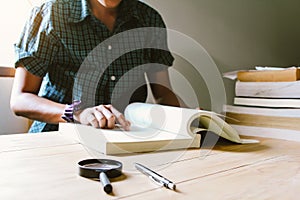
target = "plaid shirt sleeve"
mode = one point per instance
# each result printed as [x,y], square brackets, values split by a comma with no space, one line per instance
[36,47]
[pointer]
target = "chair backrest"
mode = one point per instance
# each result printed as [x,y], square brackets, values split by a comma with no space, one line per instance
[9,123]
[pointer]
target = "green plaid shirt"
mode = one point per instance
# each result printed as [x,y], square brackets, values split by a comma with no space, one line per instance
[61,34]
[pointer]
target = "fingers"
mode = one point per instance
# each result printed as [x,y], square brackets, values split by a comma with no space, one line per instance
[92,121]
[107,115]
[102,116]
[101,121]
[120,117]
[124,123]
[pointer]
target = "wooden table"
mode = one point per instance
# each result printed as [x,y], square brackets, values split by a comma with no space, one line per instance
[44,166]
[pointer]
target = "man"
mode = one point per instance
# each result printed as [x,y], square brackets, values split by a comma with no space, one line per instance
[56,41]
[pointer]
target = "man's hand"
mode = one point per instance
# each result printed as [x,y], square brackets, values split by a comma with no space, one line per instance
[102,116]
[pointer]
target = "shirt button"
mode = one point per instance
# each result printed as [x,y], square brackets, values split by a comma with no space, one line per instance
[112,78]
[109,47]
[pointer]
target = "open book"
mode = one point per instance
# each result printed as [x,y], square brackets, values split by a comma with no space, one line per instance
[154,128]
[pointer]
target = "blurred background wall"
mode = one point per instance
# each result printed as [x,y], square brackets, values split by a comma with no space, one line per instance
[237,34]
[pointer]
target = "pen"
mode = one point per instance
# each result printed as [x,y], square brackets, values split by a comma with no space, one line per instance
[155,177]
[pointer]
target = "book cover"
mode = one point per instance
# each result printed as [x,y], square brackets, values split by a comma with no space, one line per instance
[154,128]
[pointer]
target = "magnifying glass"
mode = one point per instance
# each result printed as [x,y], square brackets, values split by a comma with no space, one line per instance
[102,169]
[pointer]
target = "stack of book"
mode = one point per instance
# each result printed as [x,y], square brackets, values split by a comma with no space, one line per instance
[267,103]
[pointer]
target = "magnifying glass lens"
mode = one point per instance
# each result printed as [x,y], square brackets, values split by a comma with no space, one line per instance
[103,166]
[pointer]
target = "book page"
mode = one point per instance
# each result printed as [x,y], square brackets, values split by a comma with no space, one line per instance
[167,118]
[223,129]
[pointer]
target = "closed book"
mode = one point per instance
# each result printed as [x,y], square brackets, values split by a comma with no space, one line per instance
[263,117]
[266,132]
[268,89]
[264,102]
[284,75]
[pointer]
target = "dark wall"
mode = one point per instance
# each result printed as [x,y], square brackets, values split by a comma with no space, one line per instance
[238,34]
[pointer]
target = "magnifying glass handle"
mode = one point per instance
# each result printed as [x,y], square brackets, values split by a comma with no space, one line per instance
[105,182]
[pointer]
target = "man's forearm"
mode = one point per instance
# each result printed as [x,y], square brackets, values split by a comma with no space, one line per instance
[37,108]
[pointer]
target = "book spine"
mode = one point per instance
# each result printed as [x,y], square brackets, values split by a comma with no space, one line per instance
[283,112]
[268,89]
[290,123]
[269,75]
[273,103]
[292,135]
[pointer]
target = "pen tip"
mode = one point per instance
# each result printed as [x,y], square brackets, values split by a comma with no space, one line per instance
[172,186]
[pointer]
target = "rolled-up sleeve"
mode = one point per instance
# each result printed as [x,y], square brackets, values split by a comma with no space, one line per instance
[37,45]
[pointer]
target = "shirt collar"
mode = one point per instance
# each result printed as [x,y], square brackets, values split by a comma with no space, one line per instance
[80,10]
